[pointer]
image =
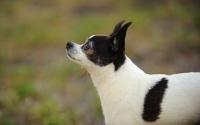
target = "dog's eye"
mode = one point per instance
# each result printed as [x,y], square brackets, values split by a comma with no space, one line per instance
[86,47]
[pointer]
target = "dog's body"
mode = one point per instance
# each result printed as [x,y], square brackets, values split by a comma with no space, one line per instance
[123,94]
[128,95]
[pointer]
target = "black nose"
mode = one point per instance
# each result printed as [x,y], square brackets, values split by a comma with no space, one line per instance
[69,45]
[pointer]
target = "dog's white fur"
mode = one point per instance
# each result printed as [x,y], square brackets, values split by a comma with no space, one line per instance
[122,93]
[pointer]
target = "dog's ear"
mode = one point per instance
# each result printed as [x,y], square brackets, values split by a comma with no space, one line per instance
[118,39]
[117,28]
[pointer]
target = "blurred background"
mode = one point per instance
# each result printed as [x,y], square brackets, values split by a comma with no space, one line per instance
[38,83]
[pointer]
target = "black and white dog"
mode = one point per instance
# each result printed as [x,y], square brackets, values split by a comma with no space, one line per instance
[128,95]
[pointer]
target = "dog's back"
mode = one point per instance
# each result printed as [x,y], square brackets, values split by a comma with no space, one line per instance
[144,99]
[181,103]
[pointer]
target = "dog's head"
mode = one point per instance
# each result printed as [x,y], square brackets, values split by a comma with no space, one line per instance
[100,50]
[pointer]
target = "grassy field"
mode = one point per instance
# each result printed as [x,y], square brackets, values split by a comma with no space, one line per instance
[38,83]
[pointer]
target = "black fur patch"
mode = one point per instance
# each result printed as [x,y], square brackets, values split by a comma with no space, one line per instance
[153,100]
[102,54]
[108,49]
[119,62]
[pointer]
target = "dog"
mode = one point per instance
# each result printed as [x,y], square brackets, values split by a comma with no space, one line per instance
[128,95]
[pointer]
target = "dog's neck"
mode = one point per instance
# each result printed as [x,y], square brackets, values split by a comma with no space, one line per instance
[99,74]
[102,75]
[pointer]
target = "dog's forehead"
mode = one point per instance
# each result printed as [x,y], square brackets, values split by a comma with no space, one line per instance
[97,35]
[98,38]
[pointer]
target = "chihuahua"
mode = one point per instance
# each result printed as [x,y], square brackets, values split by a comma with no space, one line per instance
[130,96]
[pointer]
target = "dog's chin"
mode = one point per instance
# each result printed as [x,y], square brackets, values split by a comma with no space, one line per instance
[73,59]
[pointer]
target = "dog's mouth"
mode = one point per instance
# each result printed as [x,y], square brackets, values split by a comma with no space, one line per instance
[71,52]
[72,58]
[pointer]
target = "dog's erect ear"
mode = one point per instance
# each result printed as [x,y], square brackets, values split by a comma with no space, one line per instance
[117,28]
[118,39]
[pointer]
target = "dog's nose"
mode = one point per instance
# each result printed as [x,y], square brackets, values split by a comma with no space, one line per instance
[69,45]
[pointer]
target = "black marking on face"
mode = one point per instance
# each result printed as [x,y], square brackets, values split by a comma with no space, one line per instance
[153,100]
[100,51]
[108,49]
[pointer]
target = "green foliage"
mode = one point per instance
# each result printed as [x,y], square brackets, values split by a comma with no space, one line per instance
[4,120]
[25,89]
[98,109]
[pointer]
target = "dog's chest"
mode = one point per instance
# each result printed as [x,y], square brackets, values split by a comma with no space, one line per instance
[121,101]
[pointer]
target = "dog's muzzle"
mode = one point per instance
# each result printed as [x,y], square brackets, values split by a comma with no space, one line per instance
[69,48]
